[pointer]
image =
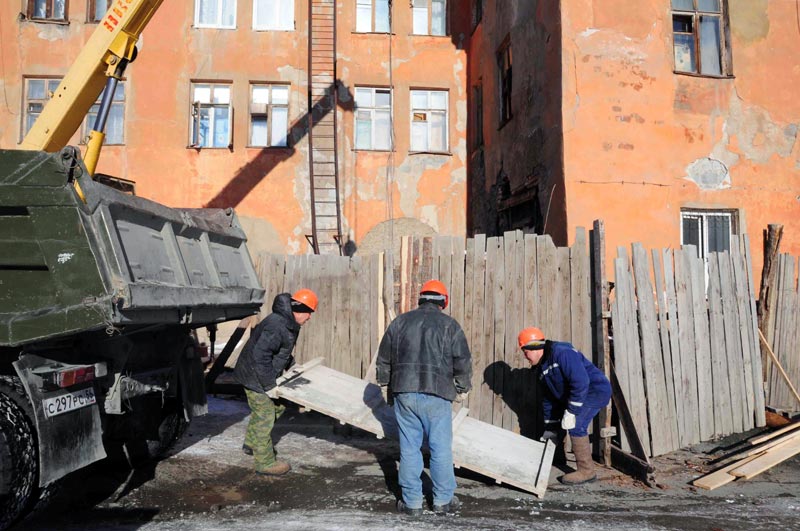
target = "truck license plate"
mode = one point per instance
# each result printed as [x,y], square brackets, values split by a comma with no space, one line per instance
[58,405]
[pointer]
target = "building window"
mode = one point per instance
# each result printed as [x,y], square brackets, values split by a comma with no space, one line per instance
[211,115]
[37,92]
[429,120]
[215,14]
[269,115]
[699,37]
[96,10]
[47,10]
[372,16]
[115,124]
[504,66]
[477,115]
[273,15]
[709,230]
[429,17]
[373,118]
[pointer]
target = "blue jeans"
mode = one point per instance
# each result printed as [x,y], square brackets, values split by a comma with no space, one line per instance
[418,416]
[582,421]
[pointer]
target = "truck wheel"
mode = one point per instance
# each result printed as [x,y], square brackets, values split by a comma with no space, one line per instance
[18,453]
[172,427]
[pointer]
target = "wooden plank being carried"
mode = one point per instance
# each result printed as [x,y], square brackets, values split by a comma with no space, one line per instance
[489,450]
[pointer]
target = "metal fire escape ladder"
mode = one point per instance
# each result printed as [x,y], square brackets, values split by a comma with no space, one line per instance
[326,218]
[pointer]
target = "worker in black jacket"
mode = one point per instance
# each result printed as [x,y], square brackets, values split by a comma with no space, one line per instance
[425,359]
[267,353]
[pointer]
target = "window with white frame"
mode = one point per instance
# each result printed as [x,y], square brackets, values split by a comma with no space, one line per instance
[429,17]
[96,10]
[55,10]
[269,115]
[700,43]
[373,118]
[37,93]
[115,123]
[211,115]
[215,14]
[273,15]
[372,16]
[429,120]
[708,230]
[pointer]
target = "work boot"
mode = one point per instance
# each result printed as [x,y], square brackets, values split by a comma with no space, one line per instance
[278,468]
[247,450]
[583,458]
[448,508]
[405,509]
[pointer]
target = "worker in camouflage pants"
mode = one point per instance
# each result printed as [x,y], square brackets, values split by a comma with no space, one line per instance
[267,353]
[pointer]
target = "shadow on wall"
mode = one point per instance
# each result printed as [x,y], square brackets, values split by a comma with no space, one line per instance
[252,173]
[519,390]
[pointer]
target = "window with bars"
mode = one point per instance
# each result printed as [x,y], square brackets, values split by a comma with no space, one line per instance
[372,16]
[429,17]
[273,15]
[429,120]
[709,230]
[212,116]
[504,61]
[373,118]
[96,10]
[38,92]
[269,115]
[700,42]
[215,14]
[55,10]
[115,124]
[477,115]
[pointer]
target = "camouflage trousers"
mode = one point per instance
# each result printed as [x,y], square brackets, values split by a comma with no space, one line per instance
[263,414]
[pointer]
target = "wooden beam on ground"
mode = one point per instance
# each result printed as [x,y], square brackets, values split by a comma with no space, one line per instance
[768,459]
[779,366]
[768,436]
[720,477]
[632,466]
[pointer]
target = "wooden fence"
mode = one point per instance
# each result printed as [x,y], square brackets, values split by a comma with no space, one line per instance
[687,353]
[497,285]
[783,335]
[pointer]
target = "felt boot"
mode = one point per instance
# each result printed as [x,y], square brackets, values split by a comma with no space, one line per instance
[583,458]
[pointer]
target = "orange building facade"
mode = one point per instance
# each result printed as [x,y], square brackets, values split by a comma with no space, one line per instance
[214,110]
[674,121]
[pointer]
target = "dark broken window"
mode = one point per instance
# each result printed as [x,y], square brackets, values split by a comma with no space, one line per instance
[700,37]
[708,230]
[504,64]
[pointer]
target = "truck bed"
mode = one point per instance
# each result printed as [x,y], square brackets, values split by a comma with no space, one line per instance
[113,260]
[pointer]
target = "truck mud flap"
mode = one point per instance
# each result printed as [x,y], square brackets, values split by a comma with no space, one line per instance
[69,428]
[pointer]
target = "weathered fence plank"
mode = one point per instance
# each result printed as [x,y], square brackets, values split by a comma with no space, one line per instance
[674,340]
[723,421]
[661,440]
[665,352]
[705,400]
[740,292]
[758,379]
[487,355]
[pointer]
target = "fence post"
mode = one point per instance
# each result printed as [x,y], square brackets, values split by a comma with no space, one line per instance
[601,347]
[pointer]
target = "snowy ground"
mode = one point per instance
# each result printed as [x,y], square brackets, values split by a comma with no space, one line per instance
[344,479]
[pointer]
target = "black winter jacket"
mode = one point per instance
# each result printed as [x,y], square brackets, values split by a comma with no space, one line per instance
[425,351]
[268,351]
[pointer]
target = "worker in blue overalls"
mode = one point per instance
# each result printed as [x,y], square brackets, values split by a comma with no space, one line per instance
[574,392]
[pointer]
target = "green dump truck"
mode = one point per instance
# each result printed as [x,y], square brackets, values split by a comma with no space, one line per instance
[100,292]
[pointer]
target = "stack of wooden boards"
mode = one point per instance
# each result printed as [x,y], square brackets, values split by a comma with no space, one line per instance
[757,455]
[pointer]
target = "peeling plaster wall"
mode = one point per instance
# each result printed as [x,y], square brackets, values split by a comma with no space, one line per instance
[270,188]
[379,185]
[641,142]
[527,149]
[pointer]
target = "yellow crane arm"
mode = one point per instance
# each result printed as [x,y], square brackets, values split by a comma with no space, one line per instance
[105,55]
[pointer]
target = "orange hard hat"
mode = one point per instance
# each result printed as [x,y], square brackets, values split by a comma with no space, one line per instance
[531,337]
[306,297]
[436,286]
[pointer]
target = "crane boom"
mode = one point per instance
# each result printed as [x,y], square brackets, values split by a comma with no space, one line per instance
[105,55]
